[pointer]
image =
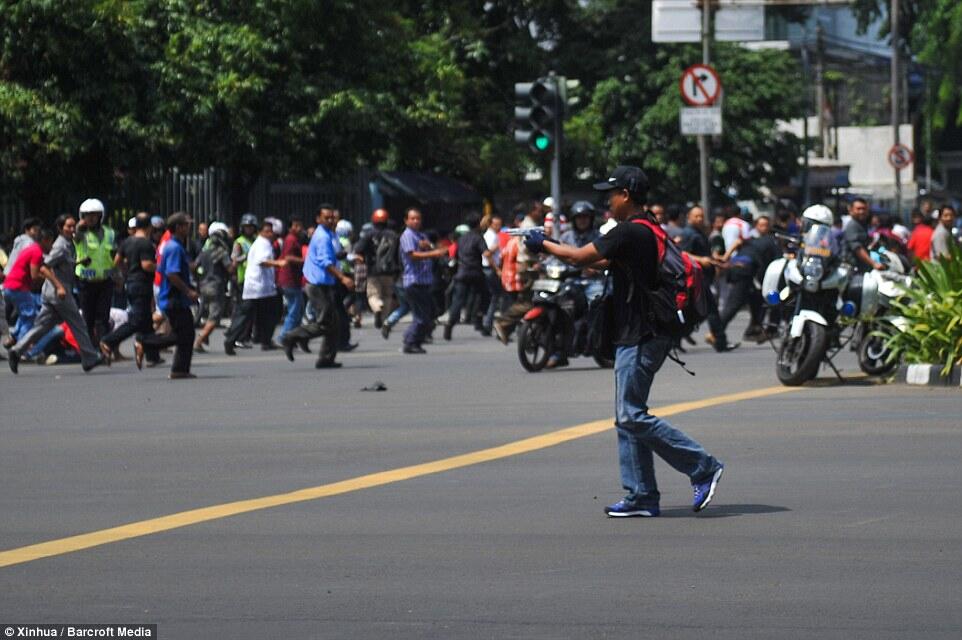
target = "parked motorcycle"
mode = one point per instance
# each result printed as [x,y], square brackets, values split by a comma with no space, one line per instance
[556,324]
[817,287]
[872,332]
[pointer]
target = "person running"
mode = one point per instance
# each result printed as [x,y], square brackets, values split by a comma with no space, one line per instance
[289,277]
[630,249]
[174,298]
[137,259]
[58,304]
[24,279]
[242,245]
[417,256]
[260,288]
[492,273]
[378,249]
[215,267]
[472,249]
[321,273]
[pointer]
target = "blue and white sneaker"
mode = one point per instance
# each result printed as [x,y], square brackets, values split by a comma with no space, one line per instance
[705,491]
[625,509]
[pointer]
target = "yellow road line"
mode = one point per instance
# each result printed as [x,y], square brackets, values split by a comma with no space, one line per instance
[216,512]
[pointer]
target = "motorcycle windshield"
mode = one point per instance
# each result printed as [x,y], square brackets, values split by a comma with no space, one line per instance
[818,241]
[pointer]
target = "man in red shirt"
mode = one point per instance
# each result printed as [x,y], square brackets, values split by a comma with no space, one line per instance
[289,277]
[920,242]
[24,278]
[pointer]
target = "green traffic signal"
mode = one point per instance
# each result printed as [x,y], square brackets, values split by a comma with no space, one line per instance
[537,113]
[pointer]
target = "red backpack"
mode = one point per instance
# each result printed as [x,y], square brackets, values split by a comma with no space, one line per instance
[679,303]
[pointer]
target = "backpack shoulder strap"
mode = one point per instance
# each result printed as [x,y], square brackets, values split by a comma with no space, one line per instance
[661,238]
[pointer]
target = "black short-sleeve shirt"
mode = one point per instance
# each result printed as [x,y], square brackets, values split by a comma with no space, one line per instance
[134,250]
[633,251]
[471,246]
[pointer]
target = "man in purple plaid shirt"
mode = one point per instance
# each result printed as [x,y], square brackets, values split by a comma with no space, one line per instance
[417,255]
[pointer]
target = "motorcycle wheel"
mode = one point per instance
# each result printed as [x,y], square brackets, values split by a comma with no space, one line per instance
[873,356]
[799,358]
[603,362]
[535,344]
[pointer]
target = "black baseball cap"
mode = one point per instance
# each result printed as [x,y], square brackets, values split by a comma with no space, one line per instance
[625,177]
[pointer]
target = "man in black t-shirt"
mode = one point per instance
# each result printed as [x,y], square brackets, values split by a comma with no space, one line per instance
[630,250]
[136,258]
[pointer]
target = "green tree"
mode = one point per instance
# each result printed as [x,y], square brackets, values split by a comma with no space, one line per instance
[931,31]
[70,97]
[633,111]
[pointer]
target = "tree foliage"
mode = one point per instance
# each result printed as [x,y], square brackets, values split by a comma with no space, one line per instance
[92,90]
[931,31]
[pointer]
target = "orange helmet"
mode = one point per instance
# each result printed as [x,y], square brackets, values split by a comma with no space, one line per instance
[380,216]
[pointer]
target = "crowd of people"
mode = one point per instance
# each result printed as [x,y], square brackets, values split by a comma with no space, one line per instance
[76,292]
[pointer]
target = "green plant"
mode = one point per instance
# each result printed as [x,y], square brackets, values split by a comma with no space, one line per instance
[932,309]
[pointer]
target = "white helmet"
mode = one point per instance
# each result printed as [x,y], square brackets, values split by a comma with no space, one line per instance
[92,205]
[218,227]
[344,228]
[820,214]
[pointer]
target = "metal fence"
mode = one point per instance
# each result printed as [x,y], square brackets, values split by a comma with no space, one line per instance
[206,197]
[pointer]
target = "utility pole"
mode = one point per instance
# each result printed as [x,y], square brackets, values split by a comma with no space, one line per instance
[928,134]
[807,101]
[820,88]
[702,139]
[556,156]
[895,101]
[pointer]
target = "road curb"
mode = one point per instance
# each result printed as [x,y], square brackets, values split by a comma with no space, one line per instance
[929,375]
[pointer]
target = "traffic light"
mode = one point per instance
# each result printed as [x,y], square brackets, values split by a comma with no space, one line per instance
[538,109]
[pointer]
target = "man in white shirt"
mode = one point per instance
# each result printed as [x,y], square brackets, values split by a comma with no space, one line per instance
[735,229]
[260,288]
[492,272]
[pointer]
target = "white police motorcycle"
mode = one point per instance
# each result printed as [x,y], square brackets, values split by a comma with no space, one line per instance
[872,332]
[817,287]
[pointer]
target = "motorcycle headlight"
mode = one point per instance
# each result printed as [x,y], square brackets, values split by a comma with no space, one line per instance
[555,271]
[813,268]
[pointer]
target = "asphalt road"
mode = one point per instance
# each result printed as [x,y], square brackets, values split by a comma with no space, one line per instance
[838,516]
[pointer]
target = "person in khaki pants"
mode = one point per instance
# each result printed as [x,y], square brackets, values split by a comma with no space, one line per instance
[378,250]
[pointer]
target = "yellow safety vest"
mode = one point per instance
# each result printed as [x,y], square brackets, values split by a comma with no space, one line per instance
[242,267]
[101,254]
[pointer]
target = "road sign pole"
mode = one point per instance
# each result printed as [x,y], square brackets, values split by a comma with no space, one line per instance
[703,140]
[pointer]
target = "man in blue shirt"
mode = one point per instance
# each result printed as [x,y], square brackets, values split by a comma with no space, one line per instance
[322,274]
[174,299]
[417,256]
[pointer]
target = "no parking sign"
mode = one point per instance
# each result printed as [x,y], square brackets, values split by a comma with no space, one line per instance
[900,156]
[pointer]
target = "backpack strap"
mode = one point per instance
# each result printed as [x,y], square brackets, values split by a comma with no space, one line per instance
[660,236]
[673,356]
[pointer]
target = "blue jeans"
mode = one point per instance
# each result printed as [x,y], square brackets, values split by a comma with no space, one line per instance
[422,308]
[294,298]
[40,346]
[28,305]
[640,434]
[401,310]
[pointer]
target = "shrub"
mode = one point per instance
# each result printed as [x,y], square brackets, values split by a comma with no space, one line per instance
[932,309]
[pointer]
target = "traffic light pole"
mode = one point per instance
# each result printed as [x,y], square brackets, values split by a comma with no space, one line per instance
[702,139]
